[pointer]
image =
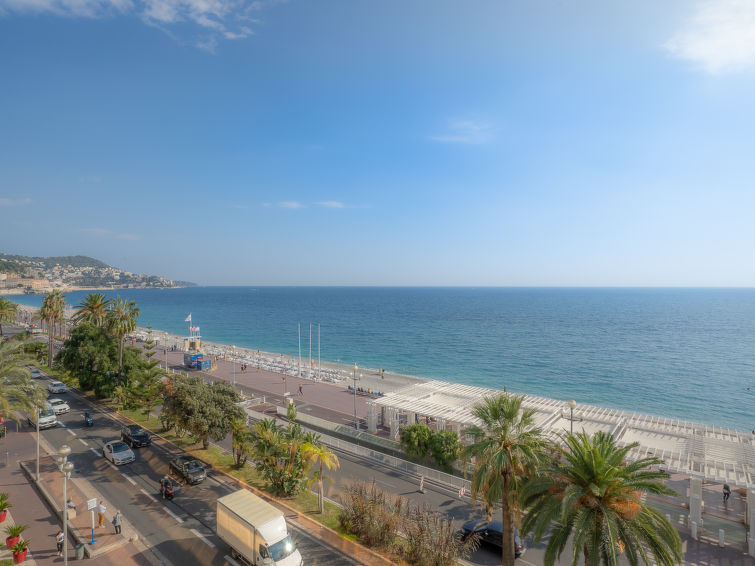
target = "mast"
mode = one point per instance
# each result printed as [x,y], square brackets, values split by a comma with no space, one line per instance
[309,369]
[319,365]
[299,367]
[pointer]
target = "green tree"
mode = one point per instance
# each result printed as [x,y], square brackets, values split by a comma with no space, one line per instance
[279,455]
[591,495]
[242,442]
[444,447]
[415,440]
[506,449]
[92,310]
[207,412]
[53,307]
[17,389]
[37,351]
[8,312]
[316,451]
[121,320]
[144,391]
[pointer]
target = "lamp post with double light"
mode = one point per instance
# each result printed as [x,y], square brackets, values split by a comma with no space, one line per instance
[356,422]
[66,468]
[571,418]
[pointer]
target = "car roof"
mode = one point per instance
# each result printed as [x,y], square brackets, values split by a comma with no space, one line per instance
[55,401]
[116,442]
[57,383]
[135,427]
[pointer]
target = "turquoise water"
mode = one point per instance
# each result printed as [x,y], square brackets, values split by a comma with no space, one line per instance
[683,353]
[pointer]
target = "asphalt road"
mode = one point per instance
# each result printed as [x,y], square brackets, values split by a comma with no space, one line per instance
[181,531]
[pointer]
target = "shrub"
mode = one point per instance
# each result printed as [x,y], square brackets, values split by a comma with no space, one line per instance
[368,514]
[431,539]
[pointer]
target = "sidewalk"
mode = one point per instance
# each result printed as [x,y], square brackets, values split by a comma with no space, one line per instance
[30,507]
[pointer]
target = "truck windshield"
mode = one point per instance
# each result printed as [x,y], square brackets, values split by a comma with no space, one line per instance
[282,548]
[46,413]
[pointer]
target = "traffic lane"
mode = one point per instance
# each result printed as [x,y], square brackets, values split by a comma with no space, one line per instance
[195,503]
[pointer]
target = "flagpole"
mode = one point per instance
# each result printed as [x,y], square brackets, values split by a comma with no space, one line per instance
[319,364]
[309,369]
[298,369]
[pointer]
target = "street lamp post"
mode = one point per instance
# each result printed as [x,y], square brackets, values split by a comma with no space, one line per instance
[571,418]
[66,468]
[356,422]
[38,411]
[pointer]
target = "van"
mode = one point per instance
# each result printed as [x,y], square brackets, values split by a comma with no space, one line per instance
[47,418]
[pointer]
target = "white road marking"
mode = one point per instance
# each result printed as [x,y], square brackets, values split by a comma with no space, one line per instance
[205,540]
[148,495]
[95,451]
[84,442]
[172,514]
[69,431]
[132,482]
[61,423]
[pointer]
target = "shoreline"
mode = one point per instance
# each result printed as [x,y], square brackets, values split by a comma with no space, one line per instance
[22,291]
[334,373]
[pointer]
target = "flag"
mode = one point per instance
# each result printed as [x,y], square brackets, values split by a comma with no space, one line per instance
[188,318]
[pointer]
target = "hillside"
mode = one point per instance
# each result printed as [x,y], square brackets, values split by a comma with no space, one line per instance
[50,262]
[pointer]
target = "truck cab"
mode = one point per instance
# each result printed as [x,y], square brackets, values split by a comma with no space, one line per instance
[47,417]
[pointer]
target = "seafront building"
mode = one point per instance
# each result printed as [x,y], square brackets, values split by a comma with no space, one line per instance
[708,452]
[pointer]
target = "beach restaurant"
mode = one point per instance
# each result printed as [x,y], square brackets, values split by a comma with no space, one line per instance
[709,452]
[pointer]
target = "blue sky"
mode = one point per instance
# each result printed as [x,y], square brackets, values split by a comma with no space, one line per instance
[383,143]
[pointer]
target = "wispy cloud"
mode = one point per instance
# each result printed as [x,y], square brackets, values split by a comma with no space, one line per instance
[331,204]
[15,201]
[472,132]
[105,233]
[291,204]
[208,21]
[719,37]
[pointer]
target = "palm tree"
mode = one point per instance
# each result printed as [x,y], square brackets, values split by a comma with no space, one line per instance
[53,307]
[506,450]
[8,311]
[589,492]
[121,319]
[92,310]
[17,390]
[315,450]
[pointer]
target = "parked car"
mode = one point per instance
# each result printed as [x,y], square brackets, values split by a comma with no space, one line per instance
[491,533]
[135,436]
[56,387]
[189,468]
[35,373]
[118,452]
[47,418]
[59,406]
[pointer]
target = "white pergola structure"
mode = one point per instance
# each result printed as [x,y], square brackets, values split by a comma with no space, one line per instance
[713,453]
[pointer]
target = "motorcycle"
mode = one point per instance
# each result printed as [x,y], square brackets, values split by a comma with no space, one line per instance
[88,420]
[168,488]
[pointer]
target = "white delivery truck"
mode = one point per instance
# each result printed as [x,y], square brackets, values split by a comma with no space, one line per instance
[47,418]
[255,530]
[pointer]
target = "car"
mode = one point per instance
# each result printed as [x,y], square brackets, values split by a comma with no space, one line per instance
[189,468]
[59,406]
[135,436]
[491,532]
[47,418]
[56,387]
[118,452]
[35,373]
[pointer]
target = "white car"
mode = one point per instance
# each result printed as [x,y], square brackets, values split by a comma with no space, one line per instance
[118,452]
[47,418]
[56,387]
[59,406]
[35,373]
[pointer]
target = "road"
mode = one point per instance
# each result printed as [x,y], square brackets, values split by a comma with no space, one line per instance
[179,532]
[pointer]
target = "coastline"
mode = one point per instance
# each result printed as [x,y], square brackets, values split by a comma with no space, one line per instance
[22,290]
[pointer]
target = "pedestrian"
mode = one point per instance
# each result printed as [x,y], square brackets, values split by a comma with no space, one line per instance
[301,389]
[59,538]
[117,522]
[101,513]
[163,485]
[727,492]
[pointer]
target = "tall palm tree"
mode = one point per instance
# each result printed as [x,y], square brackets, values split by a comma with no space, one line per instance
[17,390]
[506,450]
[8,311]
[315,450]
[92,310]
[53,307]
[121,320]
[592,495]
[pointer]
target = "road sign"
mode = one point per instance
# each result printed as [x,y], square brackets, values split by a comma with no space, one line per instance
[91,504]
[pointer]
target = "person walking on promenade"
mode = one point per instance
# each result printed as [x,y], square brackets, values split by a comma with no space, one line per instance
[59,538]
[117,522]
[301,390]
[101,513]
[727,492]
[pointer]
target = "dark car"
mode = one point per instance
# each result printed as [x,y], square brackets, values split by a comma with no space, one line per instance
[135,436]
[491,533]
[188,468]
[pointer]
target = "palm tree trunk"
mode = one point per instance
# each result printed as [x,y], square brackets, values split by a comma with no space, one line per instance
[120,359]
[507,545]
[319,481]
[49,347]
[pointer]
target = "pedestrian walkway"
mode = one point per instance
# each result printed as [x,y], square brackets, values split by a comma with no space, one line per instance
[31,508]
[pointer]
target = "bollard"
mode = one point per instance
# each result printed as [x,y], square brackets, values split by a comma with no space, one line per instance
[693,525]
[721,538]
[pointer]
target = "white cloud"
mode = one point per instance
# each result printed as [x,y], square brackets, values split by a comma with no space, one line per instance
[719,37]
[104,233]
[15,201]
[331,204]
[211,20]
[290,204]
[466,132]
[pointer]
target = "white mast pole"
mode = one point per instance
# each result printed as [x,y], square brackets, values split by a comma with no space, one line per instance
[299,368]
[319,364]
[309,369]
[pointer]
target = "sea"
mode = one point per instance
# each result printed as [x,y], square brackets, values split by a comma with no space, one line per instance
[672,352]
